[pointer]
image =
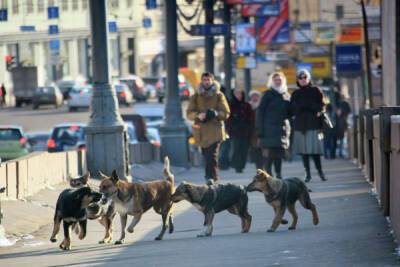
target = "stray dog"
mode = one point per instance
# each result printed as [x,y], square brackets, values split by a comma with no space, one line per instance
[211,199]
[104,212]
[135,199]
[282,194]
[71,209]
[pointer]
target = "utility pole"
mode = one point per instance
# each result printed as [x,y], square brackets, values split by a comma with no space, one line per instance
[106,134]
[247,72]
[368,55]
[173,131]
[227,49]
[209,40]
[397,52]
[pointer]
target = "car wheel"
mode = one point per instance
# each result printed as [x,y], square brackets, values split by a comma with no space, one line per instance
[18,103]
[128,104]
[35,106]
[71,109]
[160,99]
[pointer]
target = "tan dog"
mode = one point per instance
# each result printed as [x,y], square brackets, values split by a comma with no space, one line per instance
[135,199]
[282,194]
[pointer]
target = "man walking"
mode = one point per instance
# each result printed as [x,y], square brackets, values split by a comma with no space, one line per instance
[3,95]
[208,108]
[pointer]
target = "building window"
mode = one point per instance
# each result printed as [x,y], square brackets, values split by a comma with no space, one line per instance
[29,6]
[84,4]
[64,5]
[74,4]
[40,6]
[4,4]
[114,4]
[50,3]
[15,6]
[128,3]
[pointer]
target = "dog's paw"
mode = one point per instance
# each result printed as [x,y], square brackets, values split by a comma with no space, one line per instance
[270,230]
[130,230]
[292,228]
[119,242]
[171,229]
[81,236]
[201,235]
[158,238]
[284,221]
[53,240]
[245,231]
[105,241]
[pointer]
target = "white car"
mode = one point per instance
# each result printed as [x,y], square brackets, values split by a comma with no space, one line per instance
[80,97]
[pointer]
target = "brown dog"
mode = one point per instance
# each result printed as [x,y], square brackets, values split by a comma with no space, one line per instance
[282,194]
[135,199]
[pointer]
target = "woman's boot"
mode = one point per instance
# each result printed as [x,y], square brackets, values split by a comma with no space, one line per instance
[306,164]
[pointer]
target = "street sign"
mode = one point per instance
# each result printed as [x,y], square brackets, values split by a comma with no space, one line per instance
[274,29]
[53,29]
[245,38]
[52,12]
[348,59]
[248,62]
[304,66]
[209,29]
[27,28]
[3,15]
[54,44]
[303,33]
[112,26]
[151,4]
[146,22]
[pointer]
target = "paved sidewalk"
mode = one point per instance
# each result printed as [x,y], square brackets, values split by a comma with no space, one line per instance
[352,230]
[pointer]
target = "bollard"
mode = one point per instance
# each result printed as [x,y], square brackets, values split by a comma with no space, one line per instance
[355,138]
[377,156]
[368,143]
[395,170]
[360,139]
[385,145]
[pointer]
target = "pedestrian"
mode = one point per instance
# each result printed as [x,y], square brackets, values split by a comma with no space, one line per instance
[307,106]
[208,108]
[343,111]
[240,126]
[330,134]
[255,150]
[272,123]
[225,148]
[3,94]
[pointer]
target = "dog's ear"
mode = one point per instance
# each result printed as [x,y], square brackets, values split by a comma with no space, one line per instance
[102,175]
[261,172]
[114,176]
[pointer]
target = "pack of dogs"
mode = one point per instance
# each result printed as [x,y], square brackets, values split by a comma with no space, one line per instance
[81,202]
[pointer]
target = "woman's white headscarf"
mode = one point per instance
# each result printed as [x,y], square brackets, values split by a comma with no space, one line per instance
[281,89]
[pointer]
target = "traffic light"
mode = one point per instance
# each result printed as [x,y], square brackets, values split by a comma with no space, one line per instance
[10,61]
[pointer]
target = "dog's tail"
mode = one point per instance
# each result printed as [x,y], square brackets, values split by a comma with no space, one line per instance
[167,171]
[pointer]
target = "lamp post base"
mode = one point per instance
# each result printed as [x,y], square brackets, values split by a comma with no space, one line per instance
[175,145]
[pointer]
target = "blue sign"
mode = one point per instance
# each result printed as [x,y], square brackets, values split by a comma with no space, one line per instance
[209,29]
[112,26]
[348,59]
[259,1]
[3,15]
[52,12]
[54,44]
[304,66]
[151,4]
[146,22]
[27,28]
[53,29]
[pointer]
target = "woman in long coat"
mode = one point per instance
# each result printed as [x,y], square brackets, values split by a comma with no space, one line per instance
[307,106]
[272,123]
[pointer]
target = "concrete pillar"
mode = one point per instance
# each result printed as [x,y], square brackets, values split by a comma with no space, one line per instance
[106,134]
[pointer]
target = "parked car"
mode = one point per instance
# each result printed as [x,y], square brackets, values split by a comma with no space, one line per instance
[124,95]
[150,112]
[38,141]
[80,97]
[48,95]
[136,85]
[13,142]
[67,136]
[152,135]
[185,89]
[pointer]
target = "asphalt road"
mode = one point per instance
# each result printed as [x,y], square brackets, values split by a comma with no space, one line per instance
[352,232]
[47,117]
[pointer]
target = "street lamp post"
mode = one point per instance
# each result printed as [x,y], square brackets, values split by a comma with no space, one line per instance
[209,40]
[227,49]
[106,134]
[173,132]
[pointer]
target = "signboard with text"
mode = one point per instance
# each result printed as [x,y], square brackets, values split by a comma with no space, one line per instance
[209,29]
[245,38]
[348,59]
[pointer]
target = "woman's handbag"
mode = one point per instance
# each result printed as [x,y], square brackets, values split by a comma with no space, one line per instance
[325,121]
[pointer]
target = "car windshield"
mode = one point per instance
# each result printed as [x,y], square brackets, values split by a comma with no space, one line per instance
[40,138]
[119,88]
[68,133]
[152,134]
[131,133]
[10,134]
[81,90]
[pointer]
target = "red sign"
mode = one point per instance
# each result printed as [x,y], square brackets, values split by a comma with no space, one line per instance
[275,29]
